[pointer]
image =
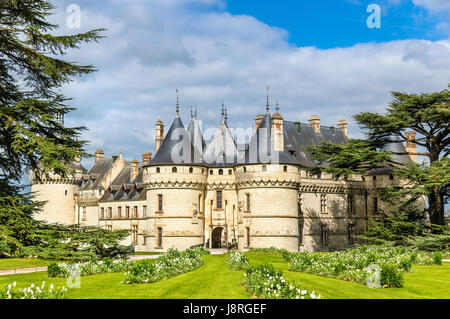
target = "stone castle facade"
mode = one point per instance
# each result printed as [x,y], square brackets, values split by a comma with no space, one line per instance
[222,193]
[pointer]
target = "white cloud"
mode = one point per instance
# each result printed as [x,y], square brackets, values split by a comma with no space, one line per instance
[154,47]
[434,5]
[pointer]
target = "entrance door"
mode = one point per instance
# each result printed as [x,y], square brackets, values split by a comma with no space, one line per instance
[217,237]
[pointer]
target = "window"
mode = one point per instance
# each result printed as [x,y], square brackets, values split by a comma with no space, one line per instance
[158,170]
[219,199]
[102,213]
[324,234]
[127,212]
[245,169]
[134,229]
[144,211]
[391,177]
[159,239]
[375,205]
[65,192]
[300,233]
[230,172]
[248,236]
[220,171]
[319,175]
[351,233]
[199,203]
[135,212]
[264,168]
[109,212]
[191,170]
[144,240]
[119,212]
[350,204]
[160,202]
[284,168]
[211,172]
[174,169]
[84,213]
[247,198]
[323,204]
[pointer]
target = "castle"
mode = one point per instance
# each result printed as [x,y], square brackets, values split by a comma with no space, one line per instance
[256,194]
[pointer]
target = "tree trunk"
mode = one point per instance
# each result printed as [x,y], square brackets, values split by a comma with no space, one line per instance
[436,206]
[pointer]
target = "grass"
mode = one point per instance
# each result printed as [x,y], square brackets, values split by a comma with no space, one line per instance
[215,280]
[11,263]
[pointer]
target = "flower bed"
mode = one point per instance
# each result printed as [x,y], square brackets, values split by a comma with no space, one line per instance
[90,268]
[353,264]
[265,282]
[33,292]
[167,265]
[237,260]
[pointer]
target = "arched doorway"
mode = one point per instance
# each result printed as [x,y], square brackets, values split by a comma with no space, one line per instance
[217,237]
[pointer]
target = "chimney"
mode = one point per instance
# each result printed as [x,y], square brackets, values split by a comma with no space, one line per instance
[342,125]
[134,169]
[258,120]
[314,121]
[411,146]
[146,157]
[99,154]
[159,135]
[277,131]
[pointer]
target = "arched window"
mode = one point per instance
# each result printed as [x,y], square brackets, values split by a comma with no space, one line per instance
[245,169]
[220,171]
[264,168]
[284,168]
[158,170]
[230,172]
[174,169]
[191,170]
[211,172]
[391,177]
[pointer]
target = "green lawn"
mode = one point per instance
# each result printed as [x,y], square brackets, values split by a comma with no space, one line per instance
[10,263]
[215,280]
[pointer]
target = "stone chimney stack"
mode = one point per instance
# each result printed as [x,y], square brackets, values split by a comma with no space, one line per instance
[159,135]
[277,131]
[146,158]
[411,146]
[258,120]
[343,126]
[314,121]
[99,154]
[134,169]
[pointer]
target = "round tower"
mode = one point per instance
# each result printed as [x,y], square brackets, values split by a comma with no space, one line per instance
[268,206]
[58,194]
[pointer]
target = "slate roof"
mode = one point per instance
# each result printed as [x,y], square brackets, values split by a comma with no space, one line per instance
[95,174]
[396,146]
[195,134]
[175,138]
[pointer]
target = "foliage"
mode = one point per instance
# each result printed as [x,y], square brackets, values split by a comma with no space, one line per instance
[237,260]
[93,267]
[353,264]
[33,292]
[391,276]
[170,264]
[267,250]
[426,114]
[263,281]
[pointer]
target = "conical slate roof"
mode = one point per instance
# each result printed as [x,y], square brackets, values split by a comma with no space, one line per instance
[221,151]
[395,146]
[195,134]
[260,146]
[177,148]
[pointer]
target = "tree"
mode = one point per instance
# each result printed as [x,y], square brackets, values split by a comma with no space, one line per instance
[32,135]
[428,115]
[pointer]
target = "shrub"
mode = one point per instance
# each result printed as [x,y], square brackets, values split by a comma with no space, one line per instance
[391,277]
[264,281]
[237,260]
[437,258]
[92,267]
[33,292]
[55,270]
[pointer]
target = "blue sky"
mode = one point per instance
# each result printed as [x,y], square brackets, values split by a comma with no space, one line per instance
[318,57]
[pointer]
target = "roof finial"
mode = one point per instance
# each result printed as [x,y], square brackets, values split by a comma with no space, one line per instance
[223,112]
[267,101]
[277,108]
[195,111]
[226,115]
[178,105]
[191,111]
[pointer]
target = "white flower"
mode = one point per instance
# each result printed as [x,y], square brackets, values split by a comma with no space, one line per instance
[14,284]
